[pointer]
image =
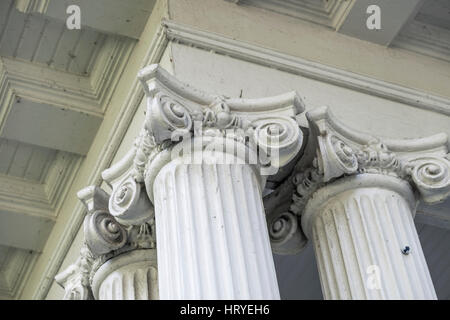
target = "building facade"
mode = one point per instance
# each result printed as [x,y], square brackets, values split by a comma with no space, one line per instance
[212,149]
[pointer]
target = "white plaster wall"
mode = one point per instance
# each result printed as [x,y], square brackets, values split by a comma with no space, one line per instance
[232,77]
[314,43]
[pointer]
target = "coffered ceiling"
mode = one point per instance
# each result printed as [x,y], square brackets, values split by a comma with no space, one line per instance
[55,86]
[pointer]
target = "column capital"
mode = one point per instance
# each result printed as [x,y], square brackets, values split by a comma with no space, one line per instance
[124,220]
[340,152]
[265,129]
[105,238]
[340,156]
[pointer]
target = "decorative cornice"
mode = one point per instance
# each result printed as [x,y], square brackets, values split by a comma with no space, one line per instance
[42,84]
[270,58]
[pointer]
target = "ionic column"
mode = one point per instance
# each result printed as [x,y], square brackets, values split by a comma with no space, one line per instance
[357,202]
[129,276]
[206,185]
[365,240]
[190,188]
[212,234]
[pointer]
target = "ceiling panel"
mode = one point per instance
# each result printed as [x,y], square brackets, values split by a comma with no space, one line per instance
[24,160]
[429,32]
[435,12]
[35,38]
[14,265]
[325,12]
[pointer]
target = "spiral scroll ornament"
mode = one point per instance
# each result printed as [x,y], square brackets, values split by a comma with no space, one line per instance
[280,138]
[282,226]
[285,233]
[344,154]
[124,196]
[145,146]
[129,204]
[164,116]
[103,233]
[335,157]
[431,176]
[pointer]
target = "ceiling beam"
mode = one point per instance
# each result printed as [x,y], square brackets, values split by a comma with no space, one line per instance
[125,18]
[28,209]
[393,16]
[24,231]
[50,99]
[26,217]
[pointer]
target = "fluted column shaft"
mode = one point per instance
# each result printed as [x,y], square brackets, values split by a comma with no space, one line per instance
[212,236]
[129,276]
[366,244]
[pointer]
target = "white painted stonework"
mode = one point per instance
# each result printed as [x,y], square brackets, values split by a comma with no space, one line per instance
[366,243]
[193,184]
[212,236]
[212,243]
[357,207]
[129,276]
[224,149]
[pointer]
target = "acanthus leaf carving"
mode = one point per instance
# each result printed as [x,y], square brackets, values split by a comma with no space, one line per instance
[286,236]
[374,157]
[75,279]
